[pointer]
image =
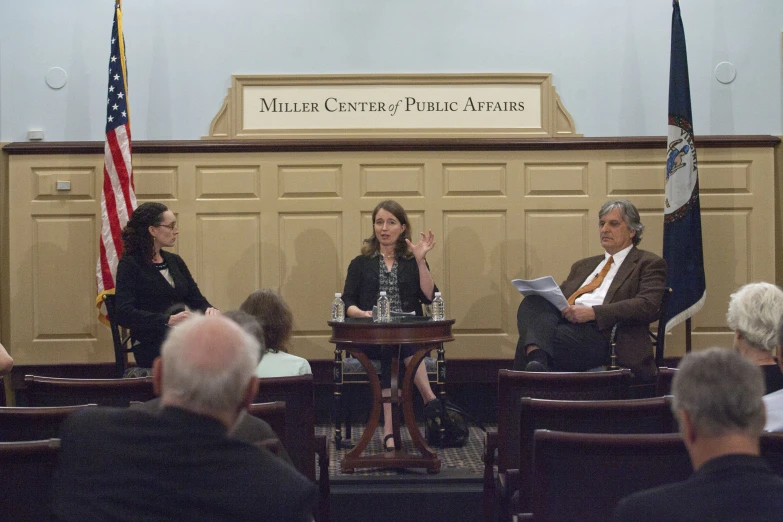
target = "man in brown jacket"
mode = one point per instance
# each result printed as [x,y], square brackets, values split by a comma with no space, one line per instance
[624,285]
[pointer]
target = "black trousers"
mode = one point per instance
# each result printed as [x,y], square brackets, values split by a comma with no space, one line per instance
[571,347]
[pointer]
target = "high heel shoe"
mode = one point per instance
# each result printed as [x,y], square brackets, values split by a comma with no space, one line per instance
[385,440]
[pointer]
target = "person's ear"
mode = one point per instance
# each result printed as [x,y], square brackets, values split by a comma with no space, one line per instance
[157,376]
[687,429]
[250,392]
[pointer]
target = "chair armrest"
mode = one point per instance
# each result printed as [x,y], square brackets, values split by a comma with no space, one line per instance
[322,451]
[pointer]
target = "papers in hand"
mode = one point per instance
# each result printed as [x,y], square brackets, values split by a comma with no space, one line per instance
[543,286]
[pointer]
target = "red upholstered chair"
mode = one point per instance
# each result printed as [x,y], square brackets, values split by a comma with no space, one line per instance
[512,386]
[33,423]
[58,391]
[26,478]
[566,466]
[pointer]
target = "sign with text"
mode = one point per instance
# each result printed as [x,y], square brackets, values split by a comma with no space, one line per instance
[400,105]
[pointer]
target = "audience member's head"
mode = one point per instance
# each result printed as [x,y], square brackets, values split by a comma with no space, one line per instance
[717,402]
[755,312]
[274,316]
[249,324]
[206,366]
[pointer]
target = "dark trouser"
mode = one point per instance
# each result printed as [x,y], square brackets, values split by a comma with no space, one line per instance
[571,347]
[145,352]
[384,354]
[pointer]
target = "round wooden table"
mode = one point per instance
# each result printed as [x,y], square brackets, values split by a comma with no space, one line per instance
[355,333]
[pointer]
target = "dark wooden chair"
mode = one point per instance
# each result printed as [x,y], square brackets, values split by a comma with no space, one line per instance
[59,391]
[33,423]
[120,338]
[26,470]
[348,370]
[512,386]
[613,416]
[663,385]
[274,414]
[582,476]
[300,440]
[772,450]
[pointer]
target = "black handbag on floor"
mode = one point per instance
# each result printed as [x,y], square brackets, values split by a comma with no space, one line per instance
[454,421]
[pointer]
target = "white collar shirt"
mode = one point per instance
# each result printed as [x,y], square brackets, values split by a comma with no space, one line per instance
[773,402]
[597,296]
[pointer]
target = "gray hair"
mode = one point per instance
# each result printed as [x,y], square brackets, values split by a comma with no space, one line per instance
[755,310]
[721,391]
[249,324]
[208,363]
[630,216]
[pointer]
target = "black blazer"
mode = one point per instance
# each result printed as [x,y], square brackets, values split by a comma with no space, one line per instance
[126,464]
[145,300]
[362,284]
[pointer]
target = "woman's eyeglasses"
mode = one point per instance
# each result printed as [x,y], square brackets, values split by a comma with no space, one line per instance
[170,226]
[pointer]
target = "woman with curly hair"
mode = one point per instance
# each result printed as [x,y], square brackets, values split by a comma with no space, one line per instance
[154,289]
[277,322]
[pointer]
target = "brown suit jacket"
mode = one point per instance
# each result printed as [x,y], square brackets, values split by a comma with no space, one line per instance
[633,299]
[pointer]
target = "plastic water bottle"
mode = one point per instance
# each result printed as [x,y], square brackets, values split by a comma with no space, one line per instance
[338,308]
[384,308]
[437,308]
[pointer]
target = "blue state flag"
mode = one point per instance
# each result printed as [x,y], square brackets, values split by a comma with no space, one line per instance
[682,243]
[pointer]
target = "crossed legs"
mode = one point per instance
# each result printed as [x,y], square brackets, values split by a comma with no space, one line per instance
[422,383]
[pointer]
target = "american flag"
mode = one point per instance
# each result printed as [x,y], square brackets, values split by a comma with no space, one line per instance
[117,198]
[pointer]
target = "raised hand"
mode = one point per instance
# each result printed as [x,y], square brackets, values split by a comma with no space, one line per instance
[420,249]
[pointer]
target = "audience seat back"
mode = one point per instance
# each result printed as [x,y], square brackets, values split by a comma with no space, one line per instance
[33,423]
[26,470]
[582,476]
[58,391]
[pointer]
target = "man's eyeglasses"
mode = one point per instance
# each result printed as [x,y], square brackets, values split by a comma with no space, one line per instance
[170,226]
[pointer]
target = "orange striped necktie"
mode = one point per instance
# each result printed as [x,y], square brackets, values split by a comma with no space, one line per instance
[595,283]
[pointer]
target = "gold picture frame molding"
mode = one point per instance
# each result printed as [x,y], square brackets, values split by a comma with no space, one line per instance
[552,120]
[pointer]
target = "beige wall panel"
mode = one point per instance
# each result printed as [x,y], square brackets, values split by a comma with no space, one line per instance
[228,262]
[476,273]
[627,180]
[389,181]
[310,275]
[722,177]
[728,230]
[81,183]
[227,182]
[315,181]
[474,180]
[272,220]
[556,179]
[154,183]
[554,241]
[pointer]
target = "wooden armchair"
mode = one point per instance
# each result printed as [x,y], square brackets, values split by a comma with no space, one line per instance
[59,391]
[612,416]
[120,338]
[299,434]
[32,423]
[568,464]
[26,478]
[512,386]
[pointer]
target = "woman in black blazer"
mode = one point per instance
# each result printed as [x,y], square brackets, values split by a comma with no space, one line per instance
[390,262]
[154,289]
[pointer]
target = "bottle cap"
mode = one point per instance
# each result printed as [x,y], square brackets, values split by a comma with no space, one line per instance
[437,294]
[338,294]
[383,293]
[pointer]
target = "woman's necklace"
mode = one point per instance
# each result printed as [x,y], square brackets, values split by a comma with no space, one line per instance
[388,256]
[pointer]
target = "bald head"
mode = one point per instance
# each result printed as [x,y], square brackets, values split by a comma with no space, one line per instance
[206,365]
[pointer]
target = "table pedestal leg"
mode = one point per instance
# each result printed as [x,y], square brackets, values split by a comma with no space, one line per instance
[398,458]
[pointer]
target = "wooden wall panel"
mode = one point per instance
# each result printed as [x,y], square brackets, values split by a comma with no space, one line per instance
[292,221]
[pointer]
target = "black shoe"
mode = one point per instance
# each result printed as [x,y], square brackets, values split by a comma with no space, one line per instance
[433,411]
[536,366]
[385,440]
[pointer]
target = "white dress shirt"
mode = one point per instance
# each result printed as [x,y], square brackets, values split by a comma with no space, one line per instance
[597,296]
